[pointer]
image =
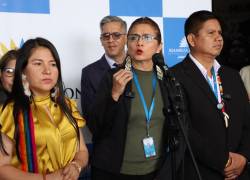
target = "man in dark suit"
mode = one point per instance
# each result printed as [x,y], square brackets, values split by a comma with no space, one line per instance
[113,39]
[217,104]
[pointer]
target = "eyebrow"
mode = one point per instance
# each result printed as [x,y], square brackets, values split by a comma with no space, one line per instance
[32,60]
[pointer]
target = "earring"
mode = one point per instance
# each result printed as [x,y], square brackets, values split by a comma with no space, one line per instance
[26,86]
[128,64]
[54,93]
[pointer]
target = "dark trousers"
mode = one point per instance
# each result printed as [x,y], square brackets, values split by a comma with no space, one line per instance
[99,174]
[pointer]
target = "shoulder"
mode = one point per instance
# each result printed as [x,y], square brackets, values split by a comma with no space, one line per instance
[7,120]
[75,112]
[70,102]
[177,69]
[95,65]
[230,72]
[245,71]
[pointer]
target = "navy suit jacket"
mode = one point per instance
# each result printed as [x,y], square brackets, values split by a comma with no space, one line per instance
[210,140]
[90,80]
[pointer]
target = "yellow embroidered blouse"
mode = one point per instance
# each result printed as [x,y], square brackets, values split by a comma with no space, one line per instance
[55,137]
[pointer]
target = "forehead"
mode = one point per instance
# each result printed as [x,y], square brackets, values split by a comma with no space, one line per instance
[41,53]
[112,27]
[211,24]
[142,29]
[11,63]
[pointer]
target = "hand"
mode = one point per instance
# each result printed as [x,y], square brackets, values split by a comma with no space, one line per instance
[70,172]
[236,167]
[120,80]
[57,175]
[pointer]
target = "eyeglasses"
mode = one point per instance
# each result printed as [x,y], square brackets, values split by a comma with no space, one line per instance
[115,36]
[9,72]
[144,37]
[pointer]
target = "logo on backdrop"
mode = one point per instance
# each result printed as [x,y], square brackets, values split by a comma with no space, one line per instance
[136,8]
[25,6]
[12,45]
[175,45]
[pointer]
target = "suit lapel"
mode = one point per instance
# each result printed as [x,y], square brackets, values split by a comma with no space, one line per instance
[196,76]
[104,64]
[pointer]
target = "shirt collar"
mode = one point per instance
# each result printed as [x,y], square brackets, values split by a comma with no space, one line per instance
[110,61]
[216,65]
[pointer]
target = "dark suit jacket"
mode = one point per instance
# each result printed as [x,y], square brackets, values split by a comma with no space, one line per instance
[210,140]
[108,125]
[90,80]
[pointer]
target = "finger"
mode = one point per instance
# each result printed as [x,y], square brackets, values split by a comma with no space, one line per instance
[123,79]
[65,170]
[118,73]
[231,178]
[230,173]
[121,73]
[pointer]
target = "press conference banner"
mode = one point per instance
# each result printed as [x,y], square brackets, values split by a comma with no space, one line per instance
[73,27]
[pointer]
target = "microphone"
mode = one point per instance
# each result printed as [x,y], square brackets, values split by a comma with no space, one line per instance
[159,60]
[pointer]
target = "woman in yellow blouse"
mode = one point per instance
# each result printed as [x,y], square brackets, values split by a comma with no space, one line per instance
[40,126]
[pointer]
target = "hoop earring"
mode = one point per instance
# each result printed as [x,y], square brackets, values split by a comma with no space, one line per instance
[26,88]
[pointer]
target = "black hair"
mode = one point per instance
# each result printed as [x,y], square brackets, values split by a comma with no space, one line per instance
[21,101]
[6,58]
[195,21]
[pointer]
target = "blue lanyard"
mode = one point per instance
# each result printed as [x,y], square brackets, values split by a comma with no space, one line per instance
[148,113]
[215,89]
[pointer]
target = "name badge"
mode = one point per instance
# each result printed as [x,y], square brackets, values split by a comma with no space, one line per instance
[149,147]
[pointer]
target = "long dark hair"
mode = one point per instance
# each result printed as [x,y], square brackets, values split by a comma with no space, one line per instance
[2,149]
[21,101]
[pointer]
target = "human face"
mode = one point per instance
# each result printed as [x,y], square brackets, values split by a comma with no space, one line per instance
[7,75]
[141,49]
[208,41]
[113,48]
[41,71]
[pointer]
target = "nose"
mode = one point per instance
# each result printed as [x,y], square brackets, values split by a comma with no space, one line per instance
[46,69]
[110,38]
[140,41]
[219,37]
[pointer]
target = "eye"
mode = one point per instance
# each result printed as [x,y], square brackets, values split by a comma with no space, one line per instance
[148,37]
[53,64]
[133,37]
[37,63]
[116,34]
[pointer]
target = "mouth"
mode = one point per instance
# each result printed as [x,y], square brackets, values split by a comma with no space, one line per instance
[47,81]
[219,46]
[111,47]
[139,52]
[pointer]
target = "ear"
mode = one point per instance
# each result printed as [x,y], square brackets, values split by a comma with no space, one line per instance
[191,39]
[159,48]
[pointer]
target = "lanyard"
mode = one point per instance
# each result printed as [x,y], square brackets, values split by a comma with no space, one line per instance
[148,112]
[220,105]
[215,87]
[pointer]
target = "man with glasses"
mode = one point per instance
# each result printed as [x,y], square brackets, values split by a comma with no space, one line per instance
[113,39]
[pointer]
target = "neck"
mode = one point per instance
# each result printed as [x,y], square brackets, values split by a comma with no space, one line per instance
[206,61]
[143,65]
[120,58]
